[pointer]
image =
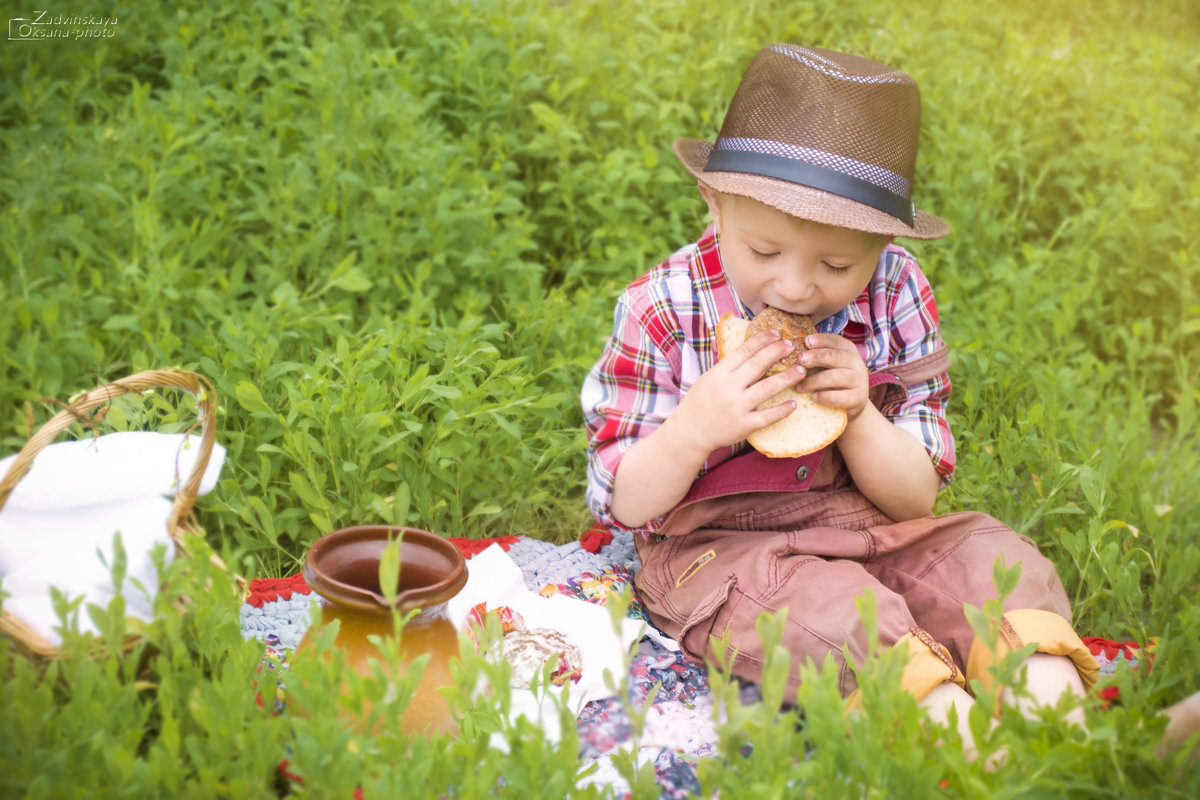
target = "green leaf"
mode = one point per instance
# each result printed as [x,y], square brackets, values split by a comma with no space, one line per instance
[122,322]
[485,509]
[251,399]
[304,490]
[353,280]
[320,522]
[389,570]
[401,503]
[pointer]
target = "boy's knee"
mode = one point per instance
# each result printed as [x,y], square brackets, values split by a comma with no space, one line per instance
[1052,634]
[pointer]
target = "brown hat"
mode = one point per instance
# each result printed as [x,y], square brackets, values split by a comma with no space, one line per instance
[823,136]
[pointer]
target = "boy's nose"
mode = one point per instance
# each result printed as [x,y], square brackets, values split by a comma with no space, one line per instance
[794,286]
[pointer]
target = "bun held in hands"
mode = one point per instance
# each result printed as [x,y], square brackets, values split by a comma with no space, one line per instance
[792,327]
[811,425]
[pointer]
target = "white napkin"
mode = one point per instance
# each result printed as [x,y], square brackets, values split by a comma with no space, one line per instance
[117,466]
[58,525]
[494,578]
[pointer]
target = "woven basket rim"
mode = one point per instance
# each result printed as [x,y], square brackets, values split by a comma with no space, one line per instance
[179,524]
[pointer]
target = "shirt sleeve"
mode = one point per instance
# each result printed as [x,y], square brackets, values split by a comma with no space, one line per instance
[627,395]
[915,333]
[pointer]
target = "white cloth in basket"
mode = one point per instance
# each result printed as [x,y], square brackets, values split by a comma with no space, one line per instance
[57,527]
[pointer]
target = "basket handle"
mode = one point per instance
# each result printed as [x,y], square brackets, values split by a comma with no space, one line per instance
[193,383]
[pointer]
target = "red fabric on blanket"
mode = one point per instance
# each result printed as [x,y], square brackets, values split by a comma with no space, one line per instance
[595,537]
[1111,649]
[473,547]
[268,590]
[285,771]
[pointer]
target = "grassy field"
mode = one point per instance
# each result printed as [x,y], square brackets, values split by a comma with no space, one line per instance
[391,234]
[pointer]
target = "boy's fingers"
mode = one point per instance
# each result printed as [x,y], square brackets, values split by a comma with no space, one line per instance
[769,387]
[833,362]
[829,345]
[762,350]
[828,341]
[746,350]
[826,357]
[769,416]
[826,380]
[835,398]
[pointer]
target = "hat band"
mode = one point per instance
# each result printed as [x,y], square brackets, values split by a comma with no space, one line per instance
[814,176]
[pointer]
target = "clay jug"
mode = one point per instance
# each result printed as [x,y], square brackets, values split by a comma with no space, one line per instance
[343,569]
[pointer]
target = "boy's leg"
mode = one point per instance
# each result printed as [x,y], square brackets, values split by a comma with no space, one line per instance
[1047,678]
[712,584]
[822,616]
[1184,721]
[952,565]
[949,696]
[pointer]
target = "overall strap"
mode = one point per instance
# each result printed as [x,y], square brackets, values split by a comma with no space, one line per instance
[890,384]
[922,369]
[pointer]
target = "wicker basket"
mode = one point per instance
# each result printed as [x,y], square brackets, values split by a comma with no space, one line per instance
[181,523]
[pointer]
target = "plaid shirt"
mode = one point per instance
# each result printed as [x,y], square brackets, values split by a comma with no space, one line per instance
[664,339]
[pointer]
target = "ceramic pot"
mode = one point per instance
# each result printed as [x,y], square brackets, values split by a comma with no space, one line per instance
[343,569]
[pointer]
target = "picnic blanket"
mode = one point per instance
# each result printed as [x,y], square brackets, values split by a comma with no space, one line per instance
[679,729]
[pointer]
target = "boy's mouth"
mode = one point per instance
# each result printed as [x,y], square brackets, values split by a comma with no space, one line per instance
[816,315]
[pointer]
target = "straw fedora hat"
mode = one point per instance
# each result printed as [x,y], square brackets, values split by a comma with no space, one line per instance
[823,136]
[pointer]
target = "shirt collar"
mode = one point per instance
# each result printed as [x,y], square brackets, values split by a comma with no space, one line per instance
[858,313]
[836,323]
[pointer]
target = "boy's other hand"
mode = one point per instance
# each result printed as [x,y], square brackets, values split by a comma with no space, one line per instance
[842,379]
[721,408]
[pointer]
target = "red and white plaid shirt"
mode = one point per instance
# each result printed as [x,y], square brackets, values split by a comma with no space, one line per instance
[664,339]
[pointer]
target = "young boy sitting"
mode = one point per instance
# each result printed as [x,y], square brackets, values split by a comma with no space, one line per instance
[808,183]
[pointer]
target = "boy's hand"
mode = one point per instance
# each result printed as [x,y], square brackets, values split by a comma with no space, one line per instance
[721,408]
[842,381]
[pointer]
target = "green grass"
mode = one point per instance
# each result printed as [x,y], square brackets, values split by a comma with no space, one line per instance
[392,234]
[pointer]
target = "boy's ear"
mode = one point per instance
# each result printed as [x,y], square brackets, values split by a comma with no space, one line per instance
[713,199]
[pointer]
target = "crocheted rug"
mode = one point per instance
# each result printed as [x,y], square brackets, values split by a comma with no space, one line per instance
[679,730]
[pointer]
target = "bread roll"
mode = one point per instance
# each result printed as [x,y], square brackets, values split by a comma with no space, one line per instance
[793,327]
[811,425]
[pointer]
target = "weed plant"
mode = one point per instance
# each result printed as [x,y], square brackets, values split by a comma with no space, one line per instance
[392,233]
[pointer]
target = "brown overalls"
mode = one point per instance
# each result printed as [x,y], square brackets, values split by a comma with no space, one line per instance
[758,534]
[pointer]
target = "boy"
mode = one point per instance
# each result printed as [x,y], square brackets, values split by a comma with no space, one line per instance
[808,183]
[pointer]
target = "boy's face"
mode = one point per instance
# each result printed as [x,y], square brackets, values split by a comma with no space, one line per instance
[798,266]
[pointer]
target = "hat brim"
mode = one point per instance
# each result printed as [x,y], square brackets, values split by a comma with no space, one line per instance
[803,201]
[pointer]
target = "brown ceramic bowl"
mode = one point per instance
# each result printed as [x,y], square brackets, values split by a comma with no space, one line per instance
[343,567]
